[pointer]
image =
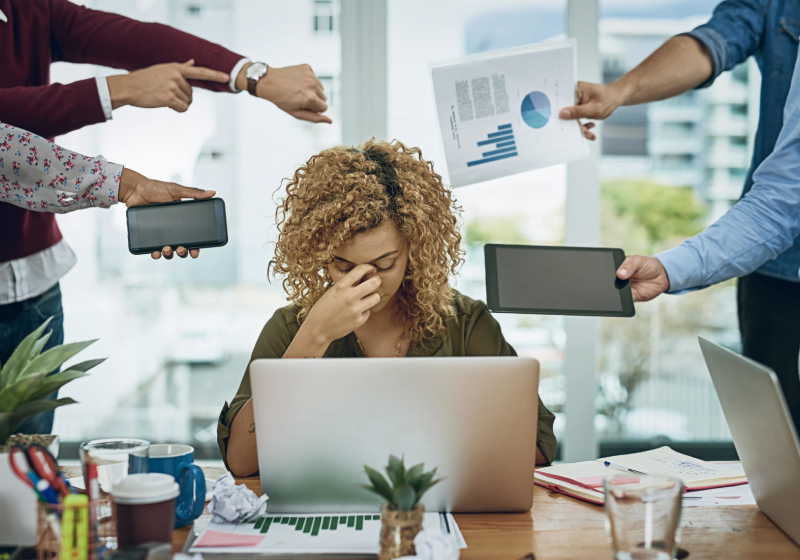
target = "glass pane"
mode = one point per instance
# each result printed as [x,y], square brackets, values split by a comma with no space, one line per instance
[179,334]
[668,169]
[526,208]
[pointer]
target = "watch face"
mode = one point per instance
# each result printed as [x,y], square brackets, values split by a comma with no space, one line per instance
[256,70]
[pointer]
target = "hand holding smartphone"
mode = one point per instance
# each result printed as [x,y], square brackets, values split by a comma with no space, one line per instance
[193,224]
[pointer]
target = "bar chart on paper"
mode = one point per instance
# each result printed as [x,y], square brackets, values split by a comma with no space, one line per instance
[500,145]
[299,534]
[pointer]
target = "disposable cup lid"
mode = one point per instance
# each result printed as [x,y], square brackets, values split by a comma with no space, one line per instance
[147,488]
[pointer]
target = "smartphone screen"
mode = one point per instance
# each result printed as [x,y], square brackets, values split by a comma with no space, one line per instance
[193,224]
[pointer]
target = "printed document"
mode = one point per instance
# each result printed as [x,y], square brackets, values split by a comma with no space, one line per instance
[332,533]
[498,113]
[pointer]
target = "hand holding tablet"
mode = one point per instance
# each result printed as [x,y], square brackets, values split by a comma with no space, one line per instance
[548,280]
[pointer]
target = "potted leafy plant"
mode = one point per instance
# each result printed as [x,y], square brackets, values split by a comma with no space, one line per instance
[402,514]
[24,385]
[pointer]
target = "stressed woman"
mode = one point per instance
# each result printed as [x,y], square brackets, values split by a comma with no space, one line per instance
[368,240]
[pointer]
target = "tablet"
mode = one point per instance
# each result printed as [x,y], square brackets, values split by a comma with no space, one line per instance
[547,280]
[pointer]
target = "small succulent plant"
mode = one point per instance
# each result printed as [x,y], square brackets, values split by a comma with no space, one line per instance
[405,488]
[25,381]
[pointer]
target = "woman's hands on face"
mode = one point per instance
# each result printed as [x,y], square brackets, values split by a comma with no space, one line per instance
[345,306]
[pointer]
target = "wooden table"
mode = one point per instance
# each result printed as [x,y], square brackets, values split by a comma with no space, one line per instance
[560,527]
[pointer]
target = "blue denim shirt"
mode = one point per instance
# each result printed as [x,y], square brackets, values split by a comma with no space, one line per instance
[769,30]
[759,228]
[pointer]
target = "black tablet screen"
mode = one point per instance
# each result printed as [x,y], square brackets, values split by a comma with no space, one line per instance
[569,280]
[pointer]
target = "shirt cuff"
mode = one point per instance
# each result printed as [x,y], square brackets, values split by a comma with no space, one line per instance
[235,73]
[105,97]
[683,269]
[717,46]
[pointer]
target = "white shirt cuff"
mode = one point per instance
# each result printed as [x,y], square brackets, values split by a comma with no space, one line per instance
[235,73]
[105,97]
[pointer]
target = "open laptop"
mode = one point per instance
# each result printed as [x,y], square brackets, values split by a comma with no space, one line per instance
[762,430]
[320,421]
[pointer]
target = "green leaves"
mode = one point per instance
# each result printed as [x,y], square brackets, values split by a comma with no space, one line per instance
[11,421]
[407,486]
[53,359]
[24,353]
[25,379]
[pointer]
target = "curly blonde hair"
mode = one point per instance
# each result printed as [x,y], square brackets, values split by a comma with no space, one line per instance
[344,191]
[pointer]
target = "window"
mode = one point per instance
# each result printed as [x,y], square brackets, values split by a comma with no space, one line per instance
[324,12]
[537,214]
[179,334]
[653,382]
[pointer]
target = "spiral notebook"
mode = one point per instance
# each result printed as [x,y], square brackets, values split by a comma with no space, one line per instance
[584,480]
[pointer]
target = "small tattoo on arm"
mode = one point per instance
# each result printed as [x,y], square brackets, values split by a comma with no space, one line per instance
[252,428]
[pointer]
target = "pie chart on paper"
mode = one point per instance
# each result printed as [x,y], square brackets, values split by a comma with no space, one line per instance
[536,109]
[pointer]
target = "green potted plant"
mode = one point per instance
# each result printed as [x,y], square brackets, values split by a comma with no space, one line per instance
[401,514]
[24,385]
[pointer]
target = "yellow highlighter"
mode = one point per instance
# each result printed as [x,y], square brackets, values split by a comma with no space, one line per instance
[75,528]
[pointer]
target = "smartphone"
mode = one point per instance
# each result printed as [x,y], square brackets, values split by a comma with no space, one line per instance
[194,224]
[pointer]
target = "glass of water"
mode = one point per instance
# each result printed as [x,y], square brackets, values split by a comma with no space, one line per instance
[112,457]
[643,515]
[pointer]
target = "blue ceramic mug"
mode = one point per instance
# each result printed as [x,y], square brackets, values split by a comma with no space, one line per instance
[178,461]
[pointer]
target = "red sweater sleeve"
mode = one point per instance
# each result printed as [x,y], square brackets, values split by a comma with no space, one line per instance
[89,36]
[52,110]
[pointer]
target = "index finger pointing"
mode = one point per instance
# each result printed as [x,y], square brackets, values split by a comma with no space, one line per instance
[207,74]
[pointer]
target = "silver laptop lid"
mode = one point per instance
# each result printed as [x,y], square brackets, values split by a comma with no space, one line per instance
[762,430]
[318,422]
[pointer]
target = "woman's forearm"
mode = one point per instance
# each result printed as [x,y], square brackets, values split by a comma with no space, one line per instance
[540,458]
[37,174]
[307,344]
[242,454]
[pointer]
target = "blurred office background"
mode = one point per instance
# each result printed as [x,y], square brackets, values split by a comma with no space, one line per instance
[179,334]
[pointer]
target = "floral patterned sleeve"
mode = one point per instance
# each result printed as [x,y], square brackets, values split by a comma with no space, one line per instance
[39,175]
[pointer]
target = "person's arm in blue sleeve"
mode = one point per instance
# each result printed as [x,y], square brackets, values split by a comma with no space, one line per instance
[733,34]
[761,226]
[684,62]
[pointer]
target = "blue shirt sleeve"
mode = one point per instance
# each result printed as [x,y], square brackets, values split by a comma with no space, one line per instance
[733,34]
[761,226]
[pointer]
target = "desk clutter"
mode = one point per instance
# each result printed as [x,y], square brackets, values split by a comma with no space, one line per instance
[318,534]
[121,512]
[585,480]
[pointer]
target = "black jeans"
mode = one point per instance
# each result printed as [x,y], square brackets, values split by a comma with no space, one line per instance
[18,320]
[769,321]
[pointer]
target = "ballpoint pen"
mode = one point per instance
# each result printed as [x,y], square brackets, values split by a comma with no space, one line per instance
[622,468]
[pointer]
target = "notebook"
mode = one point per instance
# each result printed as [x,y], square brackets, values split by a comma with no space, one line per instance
[585,480]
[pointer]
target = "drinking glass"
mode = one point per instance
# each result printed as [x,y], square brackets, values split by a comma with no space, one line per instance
[112,457]
[643,516]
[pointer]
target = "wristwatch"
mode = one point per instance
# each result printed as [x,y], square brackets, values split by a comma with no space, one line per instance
[255,72]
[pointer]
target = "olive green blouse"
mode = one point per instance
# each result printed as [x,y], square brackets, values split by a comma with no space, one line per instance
[472,332]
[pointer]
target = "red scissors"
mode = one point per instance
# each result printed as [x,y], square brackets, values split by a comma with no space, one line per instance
[46,467]
[37,468]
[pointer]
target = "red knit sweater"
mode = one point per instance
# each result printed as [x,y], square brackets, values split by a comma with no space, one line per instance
[39,32]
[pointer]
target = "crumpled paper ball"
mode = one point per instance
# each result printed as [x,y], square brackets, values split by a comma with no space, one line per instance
[434,545]
[231,503]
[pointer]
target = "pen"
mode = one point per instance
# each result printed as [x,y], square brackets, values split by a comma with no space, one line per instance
[622,467]
[93,492]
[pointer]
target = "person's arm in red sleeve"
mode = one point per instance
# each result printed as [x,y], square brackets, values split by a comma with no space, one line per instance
[52,110]
[82,35]
[165,63]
